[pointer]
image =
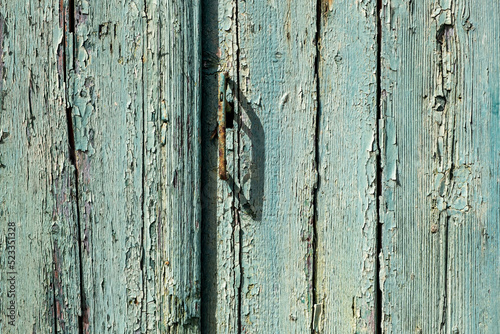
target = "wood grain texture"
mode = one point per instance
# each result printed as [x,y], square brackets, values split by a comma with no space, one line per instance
[107,109]
[347,148]
[180,169]
[155,126]
[106,120]
[128,74]
[440,268]
[38,214]
[278,100]
[135,113]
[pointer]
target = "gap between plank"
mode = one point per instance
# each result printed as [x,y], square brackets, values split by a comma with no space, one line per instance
[238,160]
[379,169]
[143,175]
[314,283]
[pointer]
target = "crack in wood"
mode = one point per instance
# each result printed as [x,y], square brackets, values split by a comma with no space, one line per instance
[316,311]
[239,193]
[379,172]
[68,32]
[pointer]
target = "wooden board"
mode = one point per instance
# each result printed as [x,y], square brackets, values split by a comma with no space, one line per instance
[178,273]
[39,260]
[277,93]
[347,155]
[363,163]
[107,108]
[440,269]
[115,90]
[136,121]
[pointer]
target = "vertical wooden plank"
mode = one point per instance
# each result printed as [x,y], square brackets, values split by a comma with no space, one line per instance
[346,200]
[473,265]
[107,109]
[278,99]
[180,216]
[39,260]
[136,114]
[440,166]
[220,232]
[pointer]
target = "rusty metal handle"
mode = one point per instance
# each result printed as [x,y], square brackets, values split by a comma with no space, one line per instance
[222,126]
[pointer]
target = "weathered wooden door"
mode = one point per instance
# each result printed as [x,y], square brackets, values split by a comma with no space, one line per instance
[363,166]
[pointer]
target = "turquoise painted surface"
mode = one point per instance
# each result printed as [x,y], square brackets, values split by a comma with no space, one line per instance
[39,260]
[136,120]
[254,279]
[113,90]
[278,176]
[347,147]
[178,273]
[440,167]
[107,111]
[108,172]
